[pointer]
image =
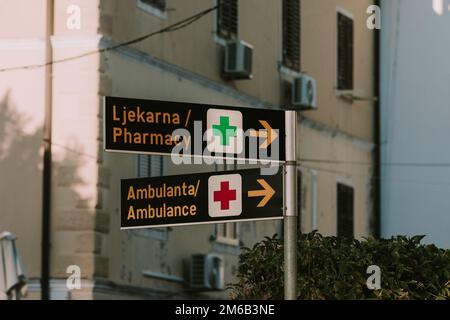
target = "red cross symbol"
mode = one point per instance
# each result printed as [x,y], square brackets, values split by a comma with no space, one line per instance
[225,195]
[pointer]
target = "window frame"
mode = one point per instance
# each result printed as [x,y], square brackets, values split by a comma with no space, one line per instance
[152,233]
[308,204]
[346,184]
[147,7]
[349,15]
[227,239]
[286,74]
[138,172]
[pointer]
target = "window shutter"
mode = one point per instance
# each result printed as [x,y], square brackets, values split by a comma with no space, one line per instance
[150,166]
[345,52]
[291,34]
[156,166]
[227,19]
[143,165]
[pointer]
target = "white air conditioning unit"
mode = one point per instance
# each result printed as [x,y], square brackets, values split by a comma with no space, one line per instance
[206,272]
[238,60]
[304,92]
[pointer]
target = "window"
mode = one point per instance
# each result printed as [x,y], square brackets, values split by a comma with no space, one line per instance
[344,211]
[158,4]
[291,34]
[155,7]
[227,233]
[345,52]
[227,19]
[150,166]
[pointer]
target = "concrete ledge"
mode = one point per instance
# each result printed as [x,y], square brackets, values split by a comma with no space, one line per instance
[91,265]
[82,220]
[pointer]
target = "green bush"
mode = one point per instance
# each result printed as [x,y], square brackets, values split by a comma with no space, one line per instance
[335,268]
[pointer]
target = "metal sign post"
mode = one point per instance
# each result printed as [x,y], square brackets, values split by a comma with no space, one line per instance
[291,212]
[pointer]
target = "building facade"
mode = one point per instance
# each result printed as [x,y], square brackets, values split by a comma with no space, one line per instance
[414,126]
[326,40]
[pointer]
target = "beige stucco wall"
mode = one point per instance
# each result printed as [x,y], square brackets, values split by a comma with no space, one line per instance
[22,102]
[357,174]
[20,20]
[75,133]
[24,41]
[319,21]
[195,47]
[85,224]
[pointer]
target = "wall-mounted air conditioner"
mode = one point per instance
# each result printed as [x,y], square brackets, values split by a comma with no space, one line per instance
[206,272]
[238,60]
[304,92]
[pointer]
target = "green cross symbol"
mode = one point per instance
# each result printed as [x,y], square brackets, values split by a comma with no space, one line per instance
[224,130]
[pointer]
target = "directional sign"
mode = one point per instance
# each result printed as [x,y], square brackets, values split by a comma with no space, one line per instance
[208,131]
[215,197]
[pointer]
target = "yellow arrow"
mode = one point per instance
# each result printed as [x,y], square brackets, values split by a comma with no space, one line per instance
[267,193]
[268,133]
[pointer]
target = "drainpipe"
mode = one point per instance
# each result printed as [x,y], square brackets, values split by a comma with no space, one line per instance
[47,160]
[377,133]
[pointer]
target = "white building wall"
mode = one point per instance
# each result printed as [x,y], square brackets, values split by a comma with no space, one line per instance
[415,119]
